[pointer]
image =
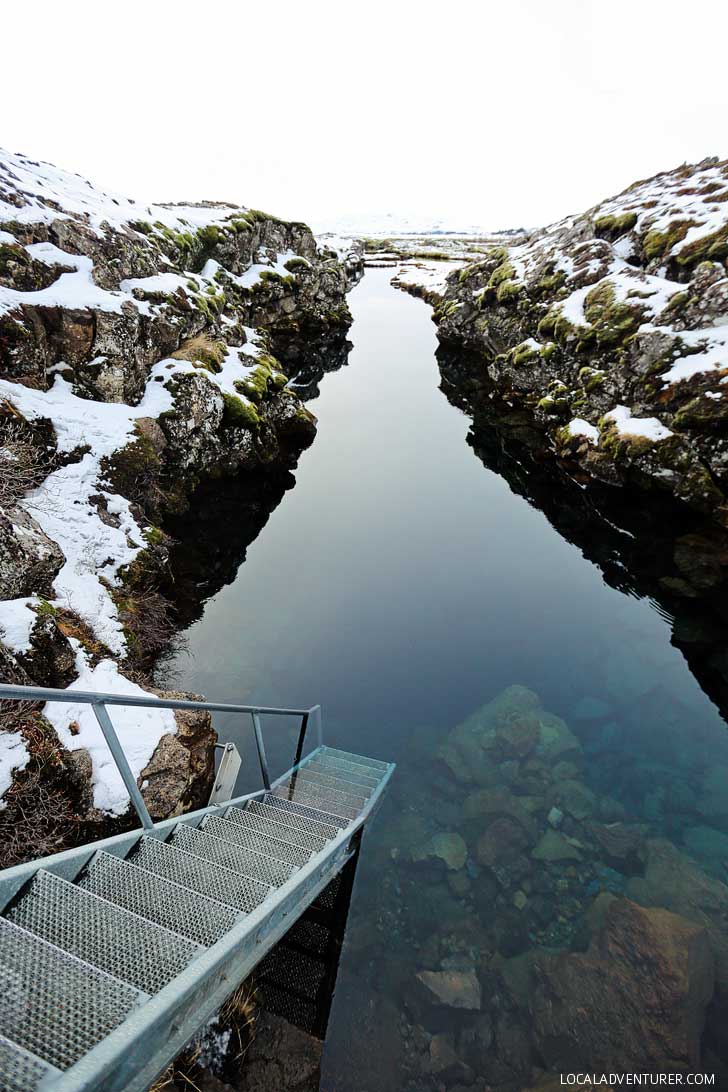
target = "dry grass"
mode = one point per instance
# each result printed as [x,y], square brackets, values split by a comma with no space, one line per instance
[239,1013]
[23,464]
[203,350]
[42,812]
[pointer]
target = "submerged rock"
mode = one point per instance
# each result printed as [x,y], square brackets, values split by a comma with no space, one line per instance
[453,989]
[449,848]
[672,880]
[554,846]
[635,1001]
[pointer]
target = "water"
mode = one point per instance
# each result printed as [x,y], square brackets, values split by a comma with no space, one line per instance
[403,584]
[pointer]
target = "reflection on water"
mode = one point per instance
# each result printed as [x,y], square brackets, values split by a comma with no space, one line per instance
[545,886]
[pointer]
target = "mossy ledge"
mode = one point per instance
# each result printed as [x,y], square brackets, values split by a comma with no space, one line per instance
[605,312]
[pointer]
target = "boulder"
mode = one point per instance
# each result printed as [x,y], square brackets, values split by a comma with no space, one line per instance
[635,1001]
[672,880]
[574,798]
[447,847]
[178,776]
[452,989]
[554,846]
[498,802]
[503,841]
[29,559]
[621,845]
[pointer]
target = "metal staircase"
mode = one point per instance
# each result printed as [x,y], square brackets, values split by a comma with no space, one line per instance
[114,955]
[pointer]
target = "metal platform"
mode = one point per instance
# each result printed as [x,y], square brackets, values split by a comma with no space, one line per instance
[114,955]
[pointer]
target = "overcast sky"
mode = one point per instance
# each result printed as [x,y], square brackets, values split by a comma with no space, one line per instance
[506,113]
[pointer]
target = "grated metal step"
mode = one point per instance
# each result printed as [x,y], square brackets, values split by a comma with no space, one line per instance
[334,754]
[305,813]
[346,770]
[271,871]
[222,854]
[21,1071]
[302,794]
[220,882]
[52,1004]
[252,837]
[170,905]
[332,781]
[306,819]
[96,931]
[311,835]
[329,793]
[292,970]
[237,832]
[269,822]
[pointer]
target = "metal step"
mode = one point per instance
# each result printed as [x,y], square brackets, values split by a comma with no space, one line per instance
[292,970]
[333,768]
[304,813]
[95,930]
[170,905]
[305,794]
[194,872]
[332,781]
[306,819]
[356,760]
[271,871]
[21,1071]
[223,855]
[52,1004]
[257,819]
[329,793]
[231,831]
[256,840]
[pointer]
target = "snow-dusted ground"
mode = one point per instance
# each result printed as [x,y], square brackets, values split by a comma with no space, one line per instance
[431,276]
[44,186]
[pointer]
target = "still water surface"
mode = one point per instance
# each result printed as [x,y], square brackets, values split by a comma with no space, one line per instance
[402,585]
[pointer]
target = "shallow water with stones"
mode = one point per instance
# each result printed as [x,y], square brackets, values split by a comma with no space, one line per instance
[444,623]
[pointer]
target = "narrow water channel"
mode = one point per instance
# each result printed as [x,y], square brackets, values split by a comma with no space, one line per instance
[403,586]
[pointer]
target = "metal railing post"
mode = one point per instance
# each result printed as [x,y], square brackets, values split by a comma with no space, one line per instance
[261,749]
[315,714]
[117,753]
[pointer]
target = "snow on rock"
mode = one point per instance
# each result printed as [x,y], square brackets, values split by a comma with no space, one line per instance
[94,550]
[50,192]
[428,277]
[579,427]
[127,327]
[13,756]
[16,622]
[139,730]
[630,303]
[649,428]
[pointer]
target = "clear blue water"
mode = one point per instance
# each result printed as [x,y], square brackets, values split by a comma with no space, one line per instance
[402,585]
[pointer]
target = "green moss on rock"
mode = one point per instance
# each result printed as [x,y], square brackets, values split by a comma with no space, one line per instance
[239,414]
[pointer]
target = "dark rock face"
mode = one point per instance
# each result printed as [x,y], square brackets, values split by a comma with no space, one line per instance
[611,330]
[635,1001]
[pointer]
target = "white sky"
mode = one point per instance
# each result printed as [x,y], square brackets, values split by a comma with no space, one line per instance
[501,113]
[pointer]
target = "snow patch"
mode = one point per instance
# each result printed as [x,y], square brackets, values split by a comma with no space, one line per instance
[17,621]
[139,730]
[13,756]
[648,428]
[579,427]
